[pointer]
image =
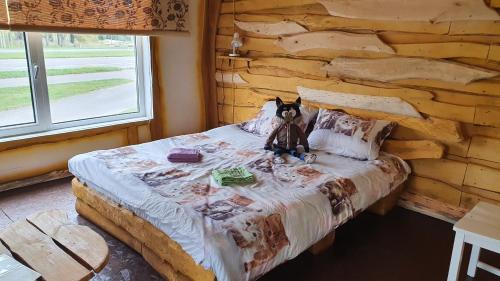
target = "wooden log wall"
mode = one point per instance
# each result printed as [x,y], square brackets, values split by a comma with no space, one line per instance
[447,68]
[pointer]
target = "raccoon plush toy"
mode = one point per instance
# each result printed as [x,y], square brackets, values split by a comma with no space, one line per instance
[290,137]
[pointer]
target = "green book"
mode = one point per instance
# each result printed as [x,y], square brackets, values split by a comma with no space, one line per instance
[238,175]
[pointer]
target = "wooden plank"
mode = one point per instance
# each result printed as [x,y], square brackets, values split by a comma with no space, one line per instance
[431,207]
[392,105]
[107,225]
[487,115]
[81,241]
[429,50]
[256,5]
[42,254]
[491,164]
[238,115]
[400,68]
[397,37]
[444,110]
[482,177]
[471,196]
[333,40]
[315,21]
[495,3]
[434,189]
[271,29]
[244,97]
[133,135]
[310,9]
[422,10]
[299,67]
[485,148]
[4,251]
[483,63]
[453,147]
[55,175]
[444,170]
[414,149]
[443,50]
[229,77]
[485,87]
[211,12]
[494,53]
[464,99]
[140,230]
[291,84]
[475,27]
[476,130]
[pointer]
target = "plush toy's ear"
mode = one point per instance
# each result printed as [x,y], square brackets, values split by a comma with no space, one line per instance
[298,101]
[279,102]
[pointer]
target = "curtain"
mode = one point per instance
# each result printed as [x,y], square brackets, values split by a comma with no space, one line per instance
[127,16]
[3,14]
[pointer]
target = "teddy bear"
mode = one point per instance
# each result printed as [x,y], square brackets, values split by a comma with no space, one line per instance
[290,137]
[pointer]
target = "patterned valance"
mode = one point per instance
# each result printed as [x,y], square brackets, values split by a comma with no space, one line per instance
[128,16]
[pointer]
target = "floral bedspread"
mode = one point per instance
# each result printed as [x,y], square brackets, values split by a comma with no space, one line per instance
[240,232]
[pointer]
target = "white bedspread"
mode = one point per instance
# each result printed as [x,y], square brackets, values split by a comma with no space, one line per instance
[238,232]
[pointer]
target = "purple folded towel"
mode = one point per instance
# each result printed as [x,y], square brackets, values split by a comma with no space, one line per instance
[190,155]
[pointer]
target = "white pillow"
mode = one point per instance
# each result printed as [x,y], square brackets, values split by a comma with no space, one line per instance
[347,135]
[263,124]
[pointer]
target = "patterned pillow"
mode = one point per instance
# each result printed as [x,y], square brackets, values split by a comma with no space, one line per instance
[351,136]
[263,124]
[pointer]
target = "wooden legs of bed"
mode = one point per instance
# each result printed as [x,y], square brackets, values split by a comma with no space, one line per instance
[381,207]
[384,205]
[161,252]
[323,244]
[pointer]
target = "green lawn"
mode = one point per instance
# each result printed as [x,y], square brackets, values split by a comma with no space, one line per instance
[85,53]
[55,72]
[20,96]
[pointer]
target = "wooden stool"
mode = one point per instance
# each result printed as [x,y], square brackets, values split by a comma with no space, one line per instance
[79,250]
[481,228]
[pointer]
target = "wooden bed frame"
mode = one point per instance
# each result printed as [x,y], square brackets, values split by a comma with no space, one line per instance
[160,251]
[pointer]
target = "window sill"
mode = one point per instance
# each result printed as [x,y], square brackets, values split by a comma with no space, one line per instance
[69,133]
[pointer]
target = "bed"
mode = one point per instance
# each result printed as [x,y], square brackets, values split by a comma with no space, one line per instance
[190,228]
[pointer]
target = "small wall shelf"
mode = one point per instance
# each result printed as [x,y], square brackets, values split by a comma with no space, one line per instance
[226,57]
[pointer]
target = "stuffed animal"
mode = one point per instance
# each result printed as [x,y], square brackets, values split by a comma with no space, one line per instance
[288,134]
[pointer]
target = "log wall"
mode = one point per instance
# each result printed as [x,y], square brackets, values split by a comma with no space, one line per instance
[455,86]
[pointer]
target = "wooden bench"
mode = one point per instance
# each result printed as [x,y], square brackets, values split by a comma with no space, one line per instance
[49,244]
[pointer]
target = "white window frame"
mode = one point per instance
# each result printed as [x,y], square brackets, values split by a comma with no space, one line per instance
[40,96]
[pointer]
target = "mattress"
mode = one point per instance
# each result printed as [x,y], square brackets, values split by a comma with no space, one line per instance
[241,231]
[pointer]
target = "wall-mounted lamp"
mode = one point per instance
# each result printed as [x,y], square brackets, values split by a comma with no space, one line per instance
[235,44]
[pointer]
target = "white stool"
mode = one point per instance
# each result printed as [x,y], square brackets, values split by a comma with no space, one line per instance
[481,228]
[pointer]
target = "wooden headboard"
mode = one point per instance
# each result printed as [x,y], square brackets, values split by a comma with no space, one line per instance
[445,67]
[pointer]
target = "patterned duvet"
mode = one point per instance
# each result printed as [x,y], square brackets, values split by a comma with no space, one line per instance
[238,232]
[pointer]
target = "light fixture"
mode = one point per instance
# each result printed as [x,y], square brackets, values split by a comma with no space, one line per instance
[235,44]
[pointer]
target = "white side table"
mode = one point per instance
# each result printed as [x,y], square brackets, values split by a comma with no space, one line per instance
[481,228]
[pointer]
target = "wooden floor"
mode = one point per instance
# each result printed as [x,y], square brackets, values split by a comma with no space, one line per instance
[400,246]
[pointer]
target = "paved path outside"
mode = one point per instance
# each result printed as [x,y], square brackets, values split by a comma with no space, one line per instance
[103,102]
[21,64]
[58,79]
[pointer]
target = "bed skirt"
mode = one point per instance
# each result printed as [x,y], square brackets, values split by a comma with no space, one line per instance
[160,251]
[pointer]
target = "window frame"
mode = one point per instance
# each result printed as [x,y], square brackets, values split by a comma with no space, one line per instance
[40,95]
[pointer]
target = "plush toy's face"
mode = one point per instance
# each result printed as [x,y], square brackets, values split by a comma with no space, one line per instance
[290,111]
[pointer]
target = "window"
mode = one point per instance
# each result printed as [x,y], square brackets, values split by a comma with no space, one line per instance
[52,81]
